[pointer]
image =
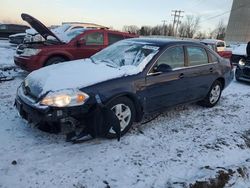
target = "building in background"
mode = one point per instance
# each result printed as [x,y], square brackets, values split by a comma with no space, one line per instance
[238,29]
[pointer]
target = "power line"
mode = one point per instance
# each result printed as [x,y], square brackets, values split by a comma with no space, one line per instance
[226,12]
[177,16]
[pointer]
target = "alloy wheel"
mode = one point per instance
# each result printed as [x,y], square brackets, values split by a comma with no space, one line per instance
[123,113]
[215,94]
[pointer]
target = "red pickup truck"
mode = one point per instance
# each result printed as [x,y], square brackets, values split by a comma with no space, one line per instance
[76,44]
[219,46]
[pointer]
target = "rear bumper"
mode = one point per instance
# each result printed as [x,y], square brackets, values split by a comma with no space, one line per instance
[28,63]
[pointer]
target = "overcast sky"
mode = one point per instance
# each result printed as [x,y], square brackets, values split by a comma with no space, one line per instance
[115,13]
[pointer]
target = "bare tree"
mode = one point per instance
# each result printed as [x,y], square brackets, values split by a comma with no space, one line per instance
[211,34]
[220,30]
[165,30]
[131,29]
[201,35]
[157,30]
[146,30]
[189,26]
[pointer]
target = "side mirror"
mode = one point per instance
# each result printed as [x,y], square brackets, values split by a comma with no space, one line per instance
[162,68]
[80,43]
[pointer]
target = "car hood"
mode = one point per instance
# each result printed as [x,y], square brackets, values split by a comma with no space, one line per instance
[39,27]
[73,75]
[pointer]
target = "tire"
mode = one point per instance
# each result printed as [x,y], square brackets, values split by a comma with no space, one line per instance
[54,60]
[126,106]
[213,95]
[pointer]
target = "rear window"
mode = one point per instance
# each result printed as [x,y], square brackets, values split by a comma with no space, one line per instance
[197,56]
[220,44]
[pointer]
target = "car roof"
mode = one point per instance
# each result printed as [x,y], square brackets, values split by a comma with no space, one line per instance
[111,31]
[162,42]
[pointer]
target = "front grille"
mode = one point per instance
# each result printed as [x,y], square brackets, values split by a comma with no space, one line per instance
[246,71]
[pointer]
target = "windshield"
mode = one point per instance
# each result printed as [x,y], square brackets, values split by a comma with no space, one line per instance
[125,53]
[69,35]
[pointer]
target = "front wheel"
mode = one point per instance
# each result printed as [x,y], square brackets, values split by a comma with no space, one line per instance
[54,60]
[124,110]
[213,95]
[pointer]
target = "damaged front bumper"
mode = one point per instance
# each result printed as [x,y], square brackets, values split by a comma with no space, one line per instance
[35,113]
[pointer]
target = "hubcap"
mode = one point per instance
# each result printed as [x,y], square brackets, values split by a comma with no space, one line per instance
[123,113]
[215,94]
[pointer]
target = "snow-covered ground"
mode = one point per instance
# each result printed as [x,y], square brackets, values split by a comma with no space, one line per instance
[6,53]
[188,146]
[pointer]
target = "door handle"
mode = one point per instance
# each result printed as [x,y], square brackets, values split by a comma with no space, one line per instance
[211,69]
[181,76]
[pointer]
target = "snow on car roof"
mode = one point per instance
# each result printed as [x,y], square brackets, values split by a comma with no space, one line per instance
[211,41]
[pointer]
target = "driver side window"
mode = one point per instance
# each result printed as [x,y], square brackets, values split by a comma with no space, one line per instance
[95,38]
[172,57]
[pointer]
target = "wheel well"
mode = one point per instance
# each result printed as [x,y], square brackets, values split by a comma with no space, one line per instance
[56,55]
[222,81]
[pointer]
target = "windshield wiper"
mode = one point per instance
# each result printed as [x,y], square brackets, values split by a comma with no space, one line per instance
[91,58]
[109,63]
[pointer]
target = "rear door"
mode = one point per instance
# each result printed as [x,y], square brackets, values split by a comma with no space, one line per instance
[94,42]
[201,72]
[164,89]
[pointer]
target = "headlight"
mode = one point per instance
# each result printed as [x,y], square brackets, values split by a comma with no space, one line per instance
[30,52]
[65,98]
[242,62]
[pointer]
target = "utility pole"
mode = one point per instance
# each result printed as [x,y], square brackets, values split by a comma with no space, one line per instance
[164,27]
[177,16]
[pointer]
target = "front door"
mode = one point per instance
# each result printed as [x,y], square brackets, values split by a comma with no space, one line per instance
[167,87]
[93,43]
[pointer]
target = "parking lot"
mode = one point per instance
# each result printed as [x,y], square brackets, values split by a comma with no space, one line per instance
[188,145]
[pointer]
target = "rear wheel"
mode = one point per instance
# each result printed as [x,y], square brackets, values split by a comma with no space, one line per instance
[213,95]
[54,60]
[125,111]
